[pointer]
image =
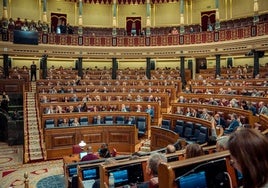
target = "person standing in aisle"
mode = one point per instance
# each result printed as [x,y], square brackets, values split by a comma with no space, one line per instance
[33,71]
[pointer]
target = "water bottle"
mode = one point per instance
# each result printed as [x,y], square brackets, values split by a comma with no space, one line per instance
[111,180]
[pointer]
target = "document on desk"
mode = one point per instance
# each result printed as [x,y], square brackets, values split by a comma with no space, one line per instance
[88,183]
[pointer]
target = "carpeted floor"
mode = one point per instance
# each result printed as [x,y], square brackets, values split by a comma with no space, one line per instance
[46,174]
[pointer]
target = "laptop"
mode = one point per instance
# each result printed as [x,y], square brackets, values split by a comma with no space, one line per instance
[82,154]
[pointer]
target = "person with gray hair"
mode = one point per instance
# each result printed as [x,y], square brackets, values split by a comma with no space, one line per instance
[152,167]
[222,143]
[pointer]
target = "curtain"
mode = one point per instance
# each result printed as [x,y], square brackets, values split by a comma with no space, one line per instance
[57,19]
[208,18]
[133,25]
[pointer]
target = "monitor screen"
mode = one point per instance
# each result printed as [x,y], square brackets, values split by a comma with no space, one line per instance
[72,171]
[173,158]
[25,37]
[193,180]
[214,171]
[82,154]
[128,174]
[120,177]
[92,173]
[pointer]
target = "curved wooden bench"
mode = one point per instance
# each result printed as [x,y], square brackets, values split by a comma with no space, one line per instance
[249,118]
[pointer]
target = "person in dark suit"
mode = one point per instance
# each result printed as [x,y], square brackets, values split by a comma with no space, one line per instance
[233,124]
[219,121]
[130,121]
[33,71]
[104,151]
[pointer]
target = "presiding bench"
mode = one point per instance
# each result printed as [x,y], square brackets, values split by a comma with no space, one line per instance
[59,141]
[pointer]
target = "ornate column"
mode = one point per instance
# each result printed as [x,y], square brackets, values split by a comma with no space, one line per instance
[114,68]
[256,12]
[217,24]
[114,17]
[148,18]
[182,17]
[6,66]
[5,22]
[80,18]
[256,65]
[80,66]
[45,25]
[218,65]
[148,67]
[182,69]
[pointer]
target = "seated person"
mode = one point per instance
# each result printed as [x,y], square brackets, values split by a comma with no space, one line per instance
[90,155]
[104,151]
[193,150]
[130,121]
[152,168]
[170,149]
[76,122]
[233,124]
[222,143]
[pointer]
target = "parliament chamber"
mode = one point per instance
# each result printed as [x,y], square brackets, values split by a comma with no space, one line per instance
[140,77]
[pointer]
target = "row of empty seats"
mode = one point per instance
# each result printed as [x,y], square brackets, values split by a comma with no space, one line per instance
[192,132]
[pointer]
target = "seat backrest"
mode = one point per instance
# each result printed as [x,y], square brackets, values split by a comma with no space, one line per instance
[188,130]
[49,123]
[141,118]
[83,120]
[203,136]
[179,129]
[120,120]
[71,120]
[166,122]
[109,120]
[77,149]
[141,125]
[180,122]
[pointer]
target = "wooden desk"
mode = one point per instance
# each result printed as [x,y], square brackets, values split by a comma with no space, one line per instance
[167,171]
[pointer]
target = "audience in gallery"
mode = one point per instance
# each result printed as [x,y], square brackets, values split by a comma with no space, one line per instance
[250,156]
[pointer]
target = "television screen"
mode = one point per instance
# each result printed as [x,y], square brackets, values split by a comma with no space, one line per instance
[72,171]
[129,174]
[173,158]
[193,180]
[120,177]
[25,37]
[92,173]
[215,173]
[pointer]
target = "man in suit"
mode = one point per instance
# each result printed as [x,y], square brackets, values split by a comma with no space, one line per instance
[150,111]
[219,121]
[233,124]
[33,71]
[262,108]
